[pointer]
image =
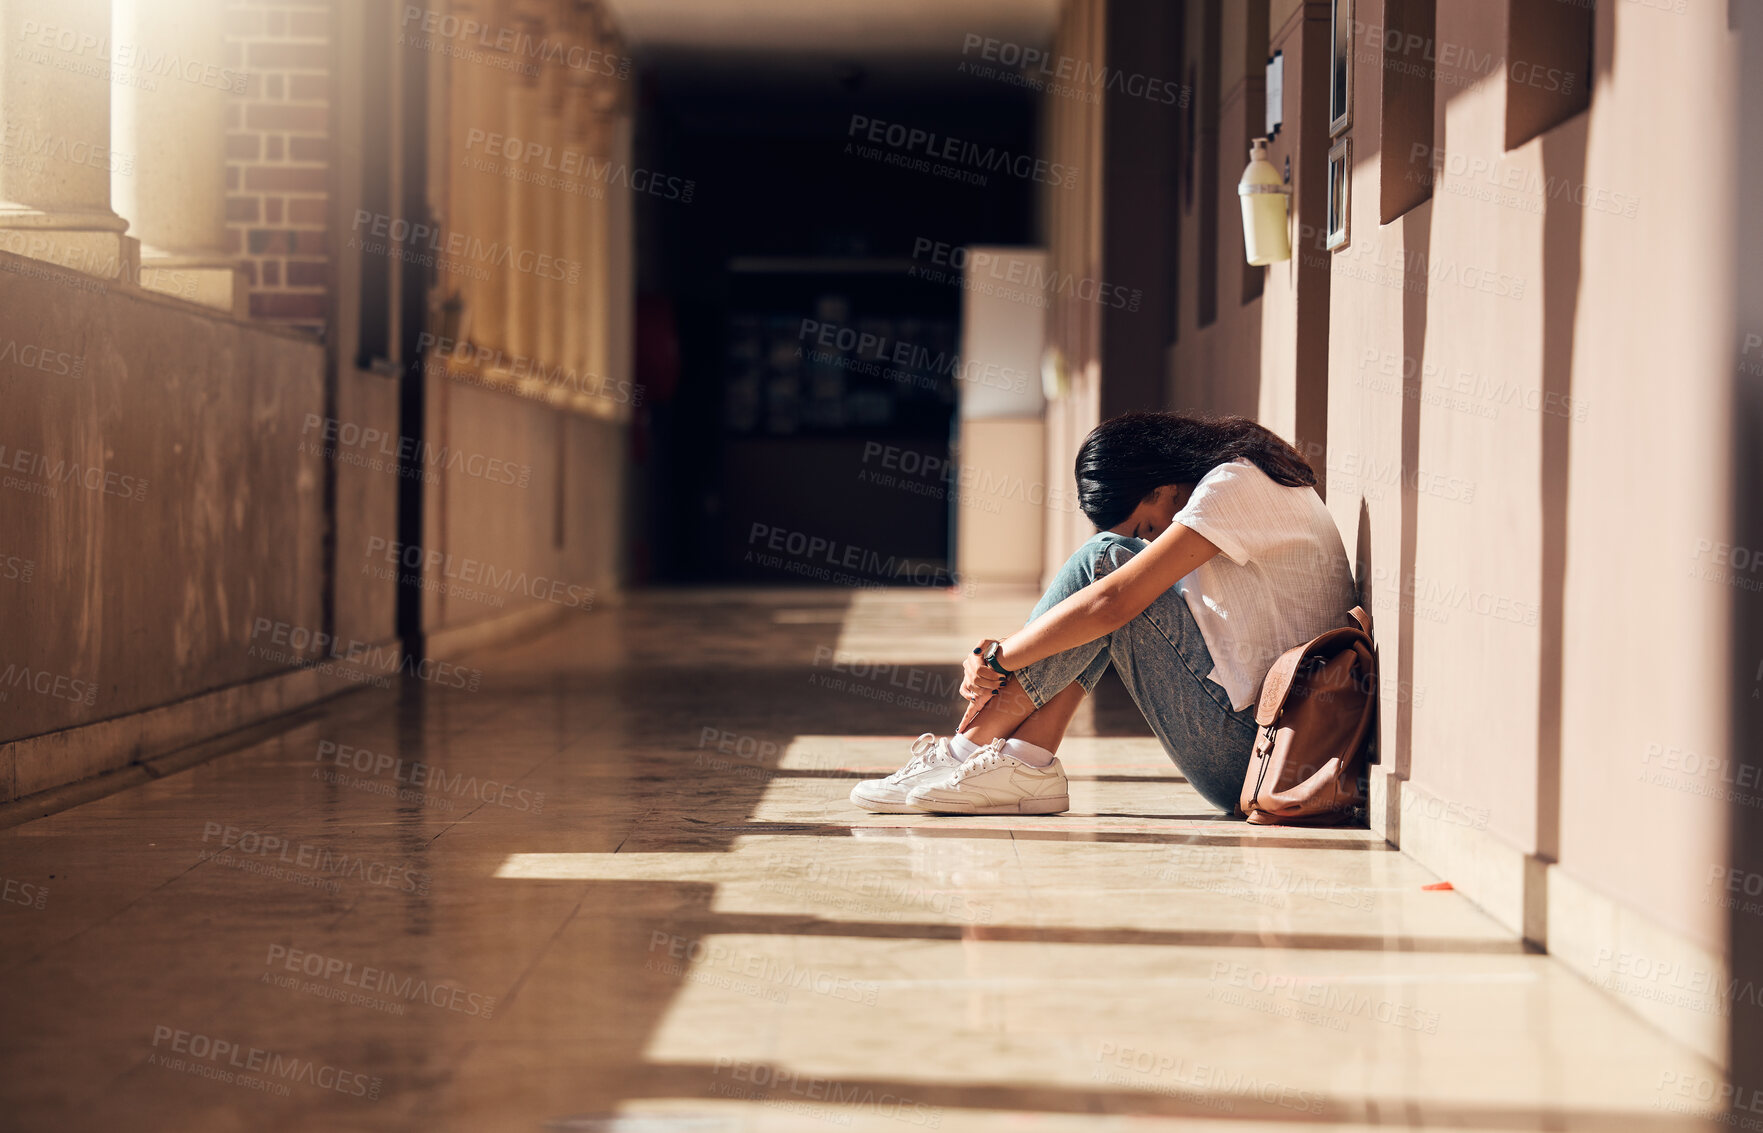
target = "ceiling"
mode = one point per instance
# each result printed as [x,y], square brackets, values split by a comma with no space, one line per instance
[858,31]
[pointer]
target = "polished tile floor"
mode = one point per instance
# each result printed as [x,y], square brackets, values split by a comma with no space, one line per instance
[619,888]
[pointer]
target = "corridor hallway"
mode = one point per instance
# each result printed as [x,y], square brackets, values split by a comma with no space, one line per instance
[626,893]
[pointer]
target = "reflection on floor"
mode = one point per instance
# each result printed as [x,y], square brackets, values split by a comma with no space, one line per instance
[619,887]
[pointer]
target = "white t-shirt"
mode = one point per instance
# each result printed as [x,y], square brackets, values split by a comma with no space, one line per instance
[1280,578]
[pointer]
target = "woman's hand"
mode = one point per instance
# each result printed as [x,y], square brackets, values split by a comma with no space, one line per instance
[979,681]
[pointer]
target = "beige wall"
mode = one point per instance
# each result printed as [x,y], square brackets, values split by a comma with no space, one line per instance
[1535,517]
[204,513]
[1526,509]
[1072,223]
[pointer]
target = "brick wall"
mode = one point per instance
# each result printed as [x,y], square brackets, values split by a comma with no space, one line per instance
[278,155]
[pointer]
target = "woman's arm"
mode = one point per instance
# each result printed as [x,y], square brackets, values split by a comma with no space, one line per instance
[1111,601]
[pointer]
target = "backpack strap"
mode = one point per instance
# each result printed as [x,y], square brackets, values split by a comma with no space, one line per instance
[1277,685]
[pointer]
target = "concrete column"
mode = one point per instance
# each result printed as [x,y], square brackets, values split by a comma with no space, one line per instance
[175,200]
[474,205]
[593,284]
[576,112]
[619,278]
[55,148]
[553,200]
[520,222]
[1002,432]
[487,223]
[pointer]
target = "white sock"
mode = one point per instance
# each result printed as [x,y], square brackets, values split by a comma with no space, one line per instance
[1028,753]
[961,747]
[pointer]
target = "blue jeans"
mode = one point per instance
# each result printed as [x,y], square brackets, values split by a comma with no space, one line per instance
[1163,661]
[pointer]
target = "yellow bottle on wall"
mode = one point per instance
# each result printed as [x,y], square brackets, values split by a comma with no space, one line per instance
[1266,238]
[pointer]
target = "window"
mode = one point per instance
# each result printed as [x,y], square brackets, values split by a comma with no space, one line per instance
[1548,65]
[1340,67]
[1408,51]
[1340,188]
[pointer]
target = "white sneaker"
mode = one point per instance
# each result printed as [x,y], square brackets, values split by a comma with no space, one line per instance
[994,783]
[931,760]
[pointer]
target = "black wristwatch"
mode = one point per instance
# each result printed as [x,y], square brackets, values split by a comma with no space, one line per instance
[990,657]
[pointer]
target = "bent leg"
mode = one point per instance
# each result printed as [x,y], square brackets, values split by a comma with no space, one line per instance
[1165,663]
[1046,678]
[1034,689]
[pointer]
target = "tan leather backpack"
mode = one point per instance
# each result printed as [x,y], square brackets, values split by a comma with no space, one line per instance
[1315,715]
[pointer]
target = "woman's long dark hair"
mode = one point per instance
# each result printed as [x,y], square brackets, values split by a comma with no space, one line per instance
[1126,458]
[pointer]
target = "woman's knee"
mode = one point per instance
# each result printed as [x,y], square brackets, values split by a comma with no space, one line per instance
[1105,551]
[1101,553]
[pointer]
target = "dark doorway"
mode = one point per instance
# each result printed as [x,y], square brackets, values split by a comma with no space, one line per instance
[805,290]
